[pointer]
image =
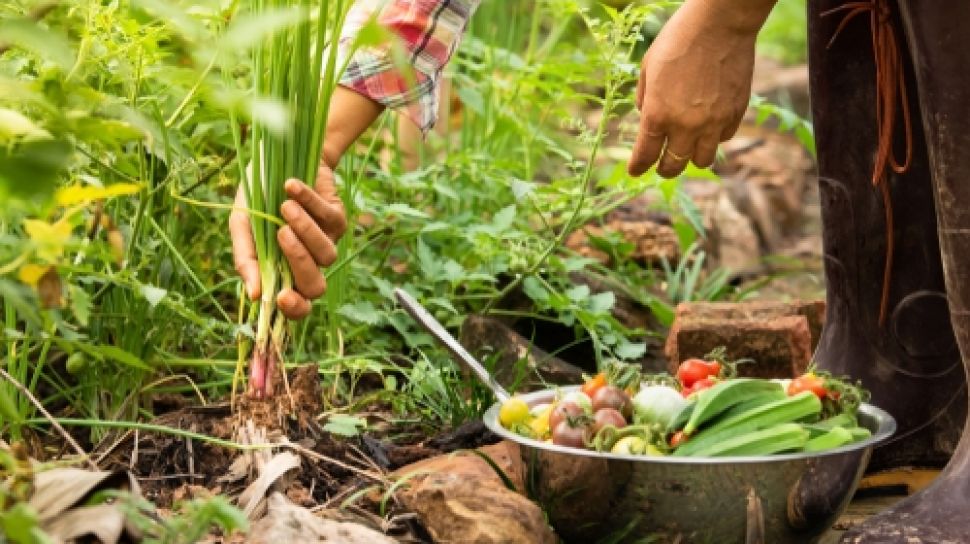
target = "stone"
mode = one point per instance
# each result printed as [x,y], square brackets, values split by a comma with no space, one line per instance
[780,337]
[287,522]
[731,240]
[767,175]
[506,455]
[519,362]
[461,498]
[780,84]
[736,242]
[454,508]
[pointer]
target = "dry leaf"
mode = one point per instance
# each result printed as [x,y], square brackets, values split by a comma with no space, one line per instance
[50,290]
[106,522]
[57,490]
[253,498]
[287,522]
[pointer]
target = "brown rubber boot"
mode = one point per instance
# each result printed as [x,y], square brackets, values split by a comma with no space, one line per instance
[940,45]
[911,363]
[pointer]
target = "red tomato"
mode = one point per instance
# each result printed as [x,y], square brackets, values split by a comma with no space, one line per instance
[593,384]
[677,439]
[699,385]
[808,382]
[694,370]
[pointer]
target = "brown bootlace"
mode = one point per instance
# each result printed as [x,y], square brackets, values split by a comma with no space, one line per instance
[890,92]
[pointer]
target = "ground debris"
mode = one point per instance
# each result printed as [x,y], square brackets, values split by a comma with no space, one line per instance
[287,522]
[61,496]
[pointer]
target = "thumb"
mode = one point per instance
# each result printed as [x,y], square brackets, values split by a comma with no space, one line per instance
[326,186]
[243,247]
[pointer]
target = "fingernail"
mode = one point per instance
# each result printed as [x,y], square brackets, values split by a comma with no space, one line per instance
[251,289]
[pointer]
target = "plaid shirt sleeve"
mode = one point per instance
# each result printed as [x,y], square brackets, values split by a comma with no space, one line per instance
[429,31]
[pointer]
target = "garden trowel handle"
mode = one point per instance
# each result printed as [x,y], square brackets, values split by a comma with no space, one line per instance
[432,325]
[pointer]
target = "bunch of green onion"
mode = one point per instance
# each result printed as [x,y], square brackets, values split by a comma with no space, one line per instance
[297,67]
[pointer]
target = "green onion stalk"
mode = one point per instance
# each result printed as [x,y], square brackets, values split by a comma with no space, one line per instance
[297,67]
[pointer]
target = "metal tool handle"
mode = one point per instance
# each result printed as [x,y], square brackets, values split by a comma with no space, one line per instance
[433,326]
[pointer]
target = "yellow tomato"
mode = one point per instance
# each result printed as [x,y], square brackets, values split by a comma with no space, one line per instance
[513,411]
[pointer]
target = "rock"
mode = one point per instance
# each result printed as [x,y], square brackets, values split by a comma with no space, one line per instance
[732,241]
[781,84]
[460,498]
[454,508]
[780,337]
[735,239]
[652,242]
[287,522]
[505,454]
[519,360]
[767,175]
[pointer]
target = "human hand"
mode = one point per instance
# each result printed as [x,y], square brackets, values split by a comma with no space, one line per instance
[315,221]
[695,83]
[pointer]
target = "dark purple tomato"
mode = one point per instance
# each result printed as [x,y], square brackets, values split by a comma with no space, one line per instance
[564,411]
[565,434]
[607,416]
[613,397]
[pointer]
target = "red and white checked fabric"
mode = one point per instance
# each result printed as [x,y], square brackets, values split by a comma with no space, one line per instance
[429,31]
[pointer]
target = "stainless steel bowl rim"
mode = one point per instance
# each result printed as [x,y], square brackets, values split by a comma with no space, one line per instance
[885,427]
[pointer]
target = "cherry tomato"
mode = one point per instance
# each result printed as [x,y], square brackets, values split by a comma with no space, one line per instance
[677,439]
[607,416]
[699,385]
[513,411]
[564,411]
[565,434]
[610,396]
[594,384]
[808,382]
[694,370]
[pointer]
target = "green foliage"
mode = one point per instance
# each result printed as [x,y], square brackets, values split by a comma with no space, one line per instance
[115,270]
[788,121]
[190,522]
[785,34]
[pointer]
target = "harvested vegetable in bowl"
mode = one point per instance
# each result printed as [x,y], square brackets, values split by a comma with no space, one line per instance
[704,412]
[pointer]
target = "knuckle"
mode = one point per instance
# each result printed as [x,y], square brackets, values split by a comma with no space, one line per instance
[654,118]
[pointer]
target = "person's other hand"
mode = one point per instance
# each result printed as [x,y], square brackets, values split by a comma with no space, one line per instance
[315,220]
[695,83]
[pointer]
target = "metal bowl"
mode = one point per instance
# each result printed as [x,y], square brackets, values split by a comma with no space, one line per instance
[603,497]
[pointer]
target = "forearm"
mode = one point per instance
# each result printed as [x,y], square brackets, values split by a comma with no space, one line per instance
[350,115]
[742,16]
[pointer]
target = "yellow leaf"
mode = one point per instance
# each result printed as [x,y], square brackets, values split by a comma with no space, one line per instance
[49,238]
[77,194]
[32,273]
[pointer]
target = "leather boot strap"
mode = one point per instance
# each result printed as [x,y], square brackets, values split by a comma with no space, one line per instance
[890,93]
